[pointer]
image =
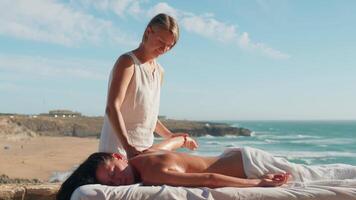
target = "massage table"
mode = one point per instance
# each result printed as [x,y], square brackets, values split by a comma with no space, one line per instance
[318,190]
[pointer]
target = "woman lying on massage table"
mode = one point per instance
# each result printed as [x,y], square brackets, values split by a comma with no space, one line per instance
[158,165]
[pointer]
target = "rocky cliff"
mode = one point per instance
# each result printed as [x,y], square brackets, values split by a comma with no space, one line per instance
[91,126]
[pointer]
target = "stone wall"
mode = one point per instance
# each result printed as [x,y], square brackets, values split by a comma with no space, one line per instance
[28,192]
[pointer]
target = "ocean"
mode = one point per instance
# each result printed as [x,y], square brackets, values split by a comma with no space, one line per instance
[306,142]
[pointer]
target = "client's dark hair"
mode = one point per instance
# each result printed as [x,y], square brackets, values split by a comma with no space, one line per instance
[83,175]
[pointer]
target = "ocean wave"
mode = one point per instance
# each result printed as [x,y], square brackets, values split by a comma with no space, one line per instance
[225,136]
[250,142]
[208,144]
[206,136]
[60,176]
[293,137]
[283,136]
[263,135]
[326,141]
[230,136]
[236,125]
[307,136]
[269,141]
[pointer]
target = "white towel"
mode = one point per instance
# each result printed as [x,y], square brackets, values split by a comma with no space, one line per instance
[258,163]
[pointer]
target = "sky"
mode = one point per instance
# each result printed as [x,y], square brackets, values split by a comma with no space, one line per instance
[235,59]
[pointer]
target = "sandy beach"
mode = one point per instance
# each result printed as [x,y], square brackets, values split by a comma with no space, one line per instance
[39,157]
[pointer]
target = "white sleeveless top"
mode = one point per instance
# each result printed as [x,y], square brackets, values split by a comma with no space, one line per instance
[139,110]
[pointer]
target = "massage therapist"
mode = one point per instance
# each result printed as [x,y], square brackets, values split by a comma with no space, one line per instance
[133,99]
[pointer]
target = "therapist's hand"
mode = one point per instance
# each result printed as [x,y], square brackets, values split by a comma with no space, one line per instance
[131,151]
[190,143]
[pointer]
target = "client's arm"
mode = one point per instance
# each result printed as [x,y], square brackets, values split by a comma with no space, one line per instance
[211,180]
[175,143]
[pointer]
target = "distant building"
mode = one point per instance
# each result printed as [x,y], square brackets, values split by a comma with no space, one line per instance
[62,113]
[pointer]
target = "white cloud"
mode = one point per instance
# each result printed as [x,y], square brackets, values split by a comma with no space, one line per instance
[162,8]
[244,42]
[60,23]
[50,21]
[119,7]
[209,27]
[33,67]
[135,9]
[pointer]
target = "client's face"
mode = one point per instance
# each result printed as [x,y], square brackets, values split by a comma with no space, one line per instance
[115,172]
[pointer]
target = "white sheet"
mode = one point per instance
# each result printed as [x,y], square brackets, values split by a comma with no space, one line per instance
[258,163]
[321,190]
